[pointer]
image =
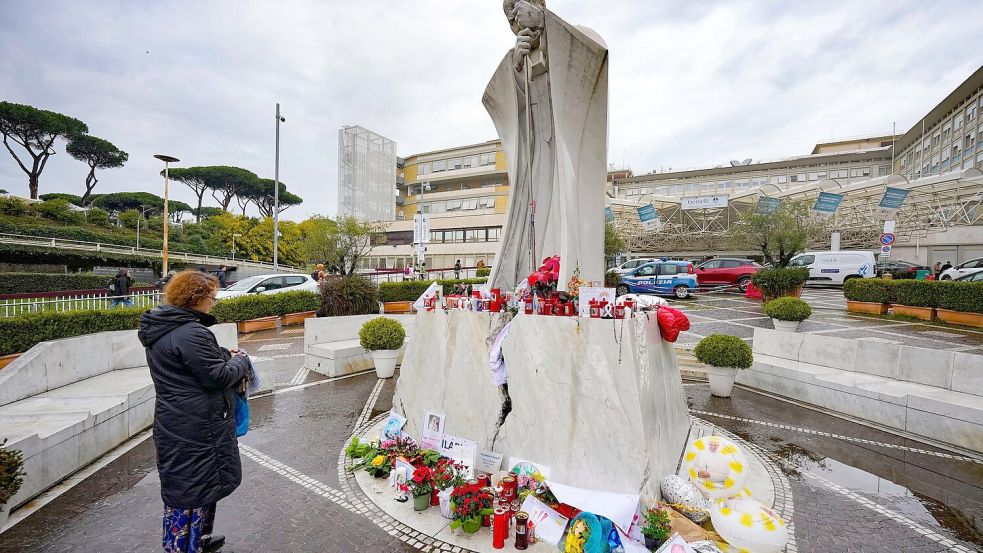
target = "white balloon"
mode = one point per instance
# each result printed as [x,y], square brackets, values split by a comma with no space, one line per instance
[747,524]
[716,465]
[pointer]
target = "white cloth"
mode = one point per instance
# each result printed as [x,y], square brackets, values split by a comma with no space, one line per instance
[255,382]
[496,360]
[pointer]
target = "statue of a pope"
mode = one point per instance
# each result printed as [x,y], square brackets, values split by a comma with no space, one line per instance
[549,101]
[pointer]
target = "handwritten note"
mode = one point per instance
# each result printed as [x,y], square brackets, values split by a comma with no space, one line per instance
[489,462]
[549,523]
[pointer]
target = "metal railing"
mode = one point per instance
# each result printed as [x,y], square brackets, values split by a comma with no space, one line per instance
[82,300]
[398,275]
[41,241]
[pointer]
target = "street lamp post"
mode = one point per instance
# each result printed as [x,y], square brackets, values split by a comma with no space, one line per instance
[276,193]
[234,236]
[167,161]
[423,228]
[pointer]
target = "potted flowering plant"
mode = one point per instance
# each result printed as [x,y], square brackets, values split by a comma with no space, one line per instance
[402,446]
[446,477]
[469,504]
[421,487]
[379,466]
[543,281]
[656,529]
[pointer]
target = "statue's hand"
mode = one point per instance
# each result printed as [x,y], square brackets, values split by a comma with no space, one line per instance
[523,45]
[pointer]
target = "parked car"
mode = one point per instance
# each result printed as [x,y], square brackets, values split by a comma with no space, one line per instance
[630,265]
[836,267]
[971,277]
[269,284]
[727,271]
[665,278]
[896,266]
[963,269]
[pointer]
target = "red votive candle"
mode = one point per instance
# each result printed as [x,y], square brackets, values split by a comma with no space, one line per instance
[500,530]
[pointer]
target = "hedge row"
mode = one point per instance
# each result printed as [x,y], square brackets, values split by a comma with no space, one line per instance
[254,306]
[411,290]
[21,333]
[27,283]
[119,237]
[75,260]
[954,296]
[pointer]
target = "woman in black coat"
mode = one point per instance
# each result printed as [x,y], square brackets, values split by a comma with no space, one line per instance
[194,416]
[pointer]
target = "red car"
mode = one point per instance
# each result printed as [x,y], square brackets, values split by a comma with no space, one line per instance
[727,271]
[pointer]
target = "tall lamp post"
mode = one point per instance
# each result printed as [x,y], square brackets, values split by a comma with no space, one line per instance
[234,236]
[143,217]
[167,161]
[276,193]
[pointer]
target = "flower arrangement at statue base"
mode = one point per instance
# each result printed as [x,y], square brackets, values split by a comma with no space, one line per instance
[421,487]
[469,502]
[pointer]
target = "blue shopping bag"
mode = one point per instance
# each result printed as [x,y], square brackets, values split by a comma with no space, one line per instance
[242,414]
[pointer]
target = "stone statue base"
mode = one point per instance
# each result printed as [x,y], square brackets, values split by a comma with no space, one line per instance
[598,401]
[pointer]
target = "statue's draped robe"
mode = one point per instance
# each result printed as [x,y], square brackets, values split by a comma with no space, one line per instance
[569,104]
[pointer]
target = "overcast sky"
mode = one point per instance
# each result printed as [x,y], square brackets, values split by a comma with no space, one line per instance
[691,83]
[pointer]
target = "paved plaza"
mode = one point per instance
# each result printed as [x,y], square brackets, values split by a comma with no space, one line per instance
[844,486]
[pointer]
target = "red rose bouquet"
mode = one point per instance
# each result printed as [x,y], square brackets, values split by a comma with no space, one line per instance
[422,482]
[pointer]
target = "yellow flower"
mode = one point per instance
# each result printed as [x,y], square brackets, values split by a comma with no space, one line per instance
[378,461]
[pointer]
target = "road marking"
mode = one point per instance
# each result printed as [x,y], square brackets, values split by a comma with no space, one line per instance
[258,358]
[300,377]
[369,403]
[296,476]
[280,339]
[275,347]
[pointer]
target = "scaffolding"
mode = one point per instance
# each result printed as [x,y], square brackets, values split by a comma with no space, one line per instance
[934,204]
[366,175]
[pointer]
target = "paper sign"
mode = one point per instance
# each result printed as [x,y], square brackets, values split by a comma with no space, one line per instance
[460,450]
[549,523]
[587,294]
[394,426]
[630,545]
[433,430]
[489,462]
[619,508]
[676,544]
[430,292]
[526,468]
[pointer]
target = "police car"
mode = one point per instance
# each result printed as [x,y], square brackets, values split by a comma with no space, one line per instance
[664,277]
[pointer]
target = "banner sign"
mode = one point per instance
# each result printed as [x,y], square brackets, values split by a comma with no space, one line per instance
[893,198]
[421,229]
[704,202]
[608,215]
[827,202]
[649,217]
[767,205]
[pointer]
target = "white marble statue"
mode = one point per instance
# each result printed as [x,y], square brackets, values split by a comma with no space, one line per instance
[553,87]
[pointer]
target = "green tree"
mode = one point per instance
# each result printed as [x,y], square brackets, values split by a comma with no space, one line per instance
[97,154]
[354,239]
[35,130]
[194,178]
[613,243]
[778,235]
[257,244]
[97,216]
[249,193]
[123,201]
[129,218]
[58,210]
[226,182]
[318,240]
[70,198]
[265,199]
[206,212]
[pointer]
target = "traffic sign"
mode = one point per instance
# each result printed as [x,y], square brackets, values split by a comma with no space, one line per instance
[887,238]
[885,251]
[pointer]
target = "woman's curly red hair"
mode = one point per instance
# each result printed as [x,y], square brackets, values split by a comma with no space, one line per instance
[188,288]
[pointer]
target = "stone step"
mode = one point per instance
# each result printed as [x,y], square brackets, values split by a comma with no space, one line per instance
[689,367]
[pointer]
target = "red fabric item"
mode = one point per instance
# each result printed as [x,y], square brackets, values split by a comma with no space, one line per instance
[671,323]
[752,292]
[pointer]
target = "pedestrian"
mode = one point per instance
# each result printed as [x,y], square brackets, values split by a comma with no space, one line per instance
[165,279]
[457,270]
[318,273]
[423,270]
[937,269]
[194,415]
[119,288]
[202,269]
[945,267]
[222,272]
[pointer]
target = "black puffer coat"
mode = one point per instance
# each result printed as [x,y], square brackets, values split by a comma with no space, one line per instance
[194,418]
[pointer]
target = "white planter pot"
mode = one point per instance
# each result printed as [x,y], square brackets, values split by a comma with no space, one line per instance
[385,362]
[785,326]
[445,503]
[721,380]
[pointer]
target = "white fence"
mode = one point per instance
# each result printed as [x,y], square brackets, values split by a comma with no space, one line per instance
[19,306]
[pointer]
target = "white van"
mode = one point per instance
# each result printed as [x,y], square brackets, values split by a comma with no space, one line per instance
[835,267]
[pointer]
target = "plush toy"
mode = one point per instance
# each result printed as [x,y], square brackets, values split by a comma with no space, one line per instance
[671,323]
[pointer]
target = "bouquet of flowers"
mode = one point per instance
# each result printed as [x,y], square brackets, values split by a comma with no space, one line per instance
[422,482]
[447,474]
[576,281]
[543,280]
[402,446]
[469,504]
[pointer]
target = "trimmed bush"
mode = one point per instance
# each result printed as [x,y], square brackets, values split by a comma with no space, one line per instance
[75,260]
[381,333]
[11,472]
[299,301]
[960,296]
[723,350]
[14,206]
[59,210]
[348,295]
[483,272]
[411,290]
[916,293]
[788,309]
[21,333]
[780,281]
[97,216]
[29,283]
[874,290]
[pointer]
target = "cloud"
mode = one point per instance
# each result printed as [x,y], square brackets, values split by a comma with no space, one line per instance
[691,84]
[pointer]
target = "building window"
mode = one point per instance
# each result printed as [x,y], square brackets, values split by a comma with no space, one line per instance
[469,204]
[662,190]
[860,172]
[423,168]
[453,205]
[494,234]
[487,159]
[692,187]
[779,179]
[632,192]
[759,181]
[709,186]
[742,183]
[676,189]
[957,122]
[799,177]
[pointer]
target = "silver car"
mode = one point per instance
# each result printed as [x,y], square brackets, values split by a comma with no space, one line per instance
[269,284]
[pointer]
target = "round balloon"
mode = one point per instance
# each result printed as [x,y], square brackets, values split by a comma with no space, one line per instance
[678,491]
[716,465]
[747,524]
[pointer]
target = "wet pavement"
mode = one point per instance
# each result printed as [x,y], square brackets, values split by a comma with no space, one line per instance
[854,488]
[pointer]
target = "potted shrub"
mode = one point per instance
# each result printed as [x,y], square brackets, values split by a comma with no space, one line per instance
[383,337]
[780,281]
[11,478]
[294,307]
[786,313]
[916,298]
[868,295]
[348,295]
[725,355]
[469,504]
[960,303]
[421,488]
[656,528]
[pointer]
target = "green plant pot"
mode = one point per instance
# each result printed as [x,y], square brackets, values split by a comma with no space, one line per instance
[421,502]
[471,526]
